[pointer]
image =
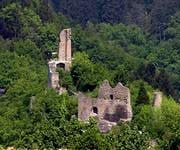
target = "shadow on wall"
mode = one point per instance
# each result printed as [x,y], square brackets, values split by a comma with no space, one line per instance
[120,112]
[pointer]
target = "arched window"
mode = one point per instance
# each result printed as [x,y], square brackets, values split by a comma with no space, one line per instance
[61,65]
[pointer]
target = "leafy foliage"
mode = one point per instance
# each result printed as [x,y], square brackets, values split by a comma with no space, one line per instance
[143,97]
[34,117]
[85,74]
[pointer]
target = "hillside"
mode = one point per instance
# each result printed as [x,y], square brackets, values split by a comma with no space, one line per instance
[119,48]
[150,15]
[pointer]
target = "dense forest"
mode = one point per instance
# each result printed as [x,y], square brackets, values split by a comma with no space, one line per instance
[151,15]
[133,42]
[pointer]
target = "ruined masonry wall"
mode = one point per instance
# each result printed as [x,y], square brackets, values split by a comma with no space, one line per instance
[111,105]
[63,61]
[157,99]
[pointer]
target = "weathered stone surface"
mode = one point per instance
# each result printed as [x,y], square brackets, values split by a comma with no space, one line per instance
[63,61]
[105,125]
[65,52]
[105,90]
[157,99]
[111,106]
[53,79]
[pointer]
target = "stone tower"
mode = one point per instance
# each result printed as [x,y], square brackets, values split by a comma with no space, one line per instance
[65,53]
[63,61]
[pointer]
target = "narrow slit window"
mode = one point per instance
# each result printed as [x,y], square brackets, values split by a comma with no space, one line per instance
[111,97]
[95,110]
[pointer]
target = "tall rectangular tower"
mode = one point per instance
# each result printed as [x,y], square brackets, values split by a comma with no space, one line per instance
[63,61]
[65,46]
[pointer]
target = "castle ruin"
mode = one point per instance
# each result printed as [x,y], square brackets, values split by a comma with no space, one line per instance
[63,61]
[112,104]
[110,107]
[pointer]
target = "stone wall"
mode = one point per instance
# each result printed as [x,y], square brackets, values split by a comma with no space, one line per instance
[112,105]
[53,76]
[157,99]
[65,50]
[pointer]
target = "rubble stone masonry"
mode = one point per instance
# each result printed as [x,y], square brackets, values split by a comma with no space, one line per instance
[110,107]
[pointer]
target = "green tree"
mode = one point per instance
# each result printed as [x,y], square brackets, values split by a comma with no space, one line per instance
[143,97]
[126,137]
[19,22]
[48,40]
[85,74]
[66,80]
[27,48]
